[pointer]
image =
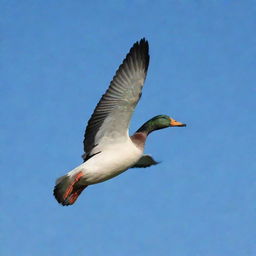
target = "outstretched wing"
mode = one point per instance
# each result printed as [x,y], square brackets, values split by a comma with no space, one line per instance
[110,120]
[145,161]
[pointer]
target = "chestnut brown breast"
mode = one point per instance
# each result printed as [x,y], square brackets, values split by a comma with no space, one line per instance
[139,139]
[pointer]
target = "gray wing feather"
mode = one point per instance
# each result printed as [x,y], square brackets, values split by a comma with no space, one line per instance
[145,161]
[111,117]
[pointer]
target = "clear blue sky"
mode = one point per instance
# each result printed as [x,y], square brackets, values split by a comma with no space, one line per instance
[58,57]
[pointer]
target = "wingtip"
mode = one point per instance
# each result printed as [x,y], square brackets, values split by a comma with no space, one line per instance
[141,48]
[143,40]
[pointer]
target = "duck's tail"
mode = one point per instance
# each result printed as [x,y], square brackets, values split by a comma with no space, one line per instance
[68,188]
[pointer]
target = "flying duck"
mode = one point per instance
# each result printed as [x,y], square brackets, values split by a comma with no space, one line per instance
[109,150]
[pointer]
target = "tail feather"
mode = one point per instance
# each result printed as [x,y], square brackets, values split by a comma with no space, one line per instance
[68,189]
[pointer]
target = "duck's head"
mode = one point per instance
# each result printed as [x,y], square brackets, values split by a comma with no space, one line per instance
[159,122]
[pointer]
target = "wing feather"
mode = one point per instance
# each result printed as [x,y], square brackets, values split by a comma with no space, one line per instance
[111,117]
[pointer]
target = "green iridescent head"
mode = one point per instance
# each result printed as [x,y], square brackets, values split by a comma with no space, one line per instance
[159,122]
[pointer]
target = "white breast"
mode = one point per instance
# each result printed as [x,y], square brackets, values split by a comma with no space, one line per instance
[112,161]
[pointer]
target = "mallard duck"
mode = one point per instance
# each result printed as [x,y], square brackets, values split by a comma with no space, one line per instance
[109,150]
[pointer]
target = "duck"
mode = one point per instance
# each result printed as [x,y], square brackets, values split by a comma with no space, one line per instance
[108,148]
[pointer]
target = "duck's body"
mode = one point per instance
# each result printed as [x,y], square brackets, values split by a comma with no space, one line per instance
[112,161]
[109,150]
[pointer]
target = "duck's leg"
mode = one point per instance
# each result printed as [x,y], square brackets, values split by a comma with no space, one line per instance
[68,188]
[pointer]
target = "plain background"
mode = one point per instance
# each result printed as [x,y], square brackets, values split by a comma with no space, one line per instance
[57,59]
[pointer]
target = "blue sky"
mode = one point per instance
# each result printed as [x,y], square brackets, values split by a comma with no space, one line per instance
[58,57]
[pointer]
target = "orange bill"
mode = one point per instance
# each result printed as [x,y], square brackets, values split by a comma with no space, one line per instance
[176,123]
